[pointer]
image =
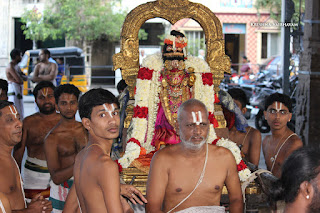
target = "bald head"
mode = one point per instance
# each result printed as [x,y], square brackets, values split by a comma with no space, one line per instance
[190,104]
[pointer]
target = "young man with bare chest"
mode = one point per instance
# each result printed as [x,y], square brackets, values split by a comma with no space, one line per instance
[96,176]
[249,142]
[62,145]
[10,180]
[45,70]
[15,79]
[278,146]
[35,128]
[189,176]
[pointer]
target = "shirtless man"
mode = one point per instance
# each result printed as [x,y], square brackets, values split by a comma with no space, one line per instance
[193,169]
[249,142]
[35,127]
[3,90]
[278,146]
[45,70]
[11,190]
[96,176]
[66,139]
[15,79]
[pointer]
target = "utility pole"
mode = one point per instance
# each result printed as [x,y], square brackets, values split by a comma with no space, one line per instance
[287,10]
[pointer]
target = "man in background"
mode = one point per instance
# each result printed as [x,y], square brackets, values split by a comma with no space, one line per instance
[249,141]
[45,70]
[282,142]
[15,80]
[3,90]
[62,145]
[36,176]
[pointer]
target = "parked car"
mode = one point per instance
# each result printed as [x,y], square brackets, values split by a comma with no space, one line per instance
[73,66]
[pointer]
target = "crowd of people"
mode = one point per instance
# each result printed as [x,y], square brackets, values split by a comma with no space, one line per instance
[69,166]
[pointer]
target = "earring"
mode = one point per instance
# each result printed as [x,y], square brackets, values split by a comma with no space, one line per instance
[308,197]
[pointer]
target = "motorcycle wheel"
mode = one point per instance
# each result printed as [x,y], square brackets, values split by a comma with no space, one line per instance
[261,123]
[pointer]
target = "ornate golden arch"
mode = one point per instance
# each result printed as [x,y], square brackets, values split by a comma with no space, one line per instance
[172,10]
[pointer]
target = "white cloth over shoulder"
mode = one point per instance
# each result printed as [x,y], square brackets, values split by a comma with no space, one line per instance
[15,95]
[203,209]
[2,207]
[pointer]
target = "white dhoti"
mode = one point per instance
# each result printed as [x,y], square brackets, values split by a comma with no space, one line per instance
[203,209]
[15,95]
[36,178]
[58,194]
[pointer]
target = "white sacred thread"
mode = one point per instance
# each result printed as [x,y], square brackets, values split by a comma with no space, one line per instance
[109,111]
[198,183]
[197,118]
[44,92]
[13,111]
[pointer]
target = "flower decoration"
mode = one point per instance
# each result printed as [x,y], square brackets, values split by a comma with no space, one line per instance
[213,120]
[243,172]
[207,79]
[147,102]
[145,73]
[140,112]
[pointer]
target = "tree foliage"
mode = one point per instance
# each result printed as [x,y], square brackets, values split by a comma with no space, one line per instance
[37,26]
[79,20]
[274,6]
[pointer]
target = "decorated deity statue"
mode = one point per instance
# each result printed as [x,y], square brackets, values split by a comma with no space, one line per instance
[163,83]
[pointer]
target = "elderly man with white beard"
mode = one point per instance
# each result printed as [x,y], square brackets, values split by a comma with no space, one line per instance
[189,176]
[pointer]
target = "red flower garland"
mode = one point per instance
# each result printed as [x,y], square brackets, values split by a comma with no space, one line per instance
[216,99]
[145,73]
[140,112]
[241,166]
[119,165]
[213,120]
[215,141]
[134,141]
[143,151]
[207,79]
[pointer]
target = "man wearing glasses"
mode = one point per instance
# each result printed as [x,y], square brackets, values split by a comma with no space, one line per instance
[282,142]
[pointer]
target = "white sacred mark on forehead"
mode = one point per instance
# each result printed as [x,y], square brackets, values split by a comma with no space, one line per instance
[109,111]
[197,118]
[13,110]
[44,92]
[278,106]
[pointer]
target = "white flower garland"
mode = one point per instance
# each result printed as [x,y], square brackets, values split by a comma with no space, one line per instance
[232,146]
[147,95]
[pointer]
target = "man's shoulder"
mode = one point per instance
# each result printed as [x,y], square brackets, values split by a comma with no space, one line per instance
[218,151]
[295,141]
[32,118]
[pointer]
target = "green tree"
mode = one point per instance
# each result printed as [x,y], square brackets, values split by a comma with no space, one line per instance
[274,6]
[38,27]
[82,21]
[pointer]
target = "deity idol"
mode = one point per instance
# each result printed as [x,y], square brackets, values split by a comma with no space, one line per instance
[163,83]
